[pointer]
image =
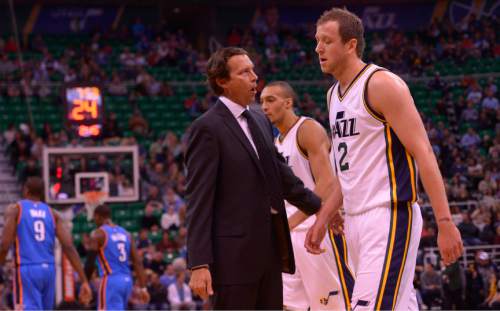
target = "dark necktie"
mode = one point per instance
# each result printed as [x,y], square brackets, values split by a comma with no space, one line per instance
[265,157]
[258,140]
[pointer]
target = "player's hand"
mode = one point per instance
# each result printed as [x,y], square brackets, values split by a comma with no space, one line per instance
[144,295]
[337,223]
[449,242]
[85,295]
[315,236]
[201,283]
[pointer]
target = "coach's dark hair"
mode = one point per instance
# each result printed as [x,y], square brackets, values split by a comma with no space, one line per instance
[287,90]
[350,26]
[34,187]
[217,66]
[103,210]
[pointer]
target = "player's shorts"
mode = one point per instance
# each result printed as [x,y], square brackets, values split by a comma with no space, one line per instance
[34,287]
[383,244]
[114,292]
[320,282]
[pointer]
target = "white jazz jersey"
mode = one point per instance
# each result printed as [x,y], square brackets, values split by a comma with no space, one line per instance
[320,282]
[299,164]
[373,167]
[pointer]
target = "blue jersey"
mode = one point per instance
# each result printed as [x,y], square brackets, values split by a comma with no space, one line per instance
[114,254]
[35,238]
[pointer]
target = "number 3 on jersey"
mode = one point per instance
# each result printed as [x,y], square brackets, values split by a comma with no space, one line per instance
[123,252]
[342,149]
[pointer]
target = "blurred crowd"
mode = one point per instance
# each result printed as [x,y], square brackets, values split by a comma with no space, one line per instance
[466,142]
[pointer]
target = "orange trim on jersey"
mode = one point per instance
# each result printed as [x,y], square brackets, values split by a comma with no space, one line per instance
[102,293]
[104,261]
[347,299]
[19,281]
[407,244]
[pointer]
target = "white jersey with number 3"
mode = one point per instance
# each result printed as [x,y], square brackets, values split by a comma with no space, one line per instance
[373,167]
[299,164]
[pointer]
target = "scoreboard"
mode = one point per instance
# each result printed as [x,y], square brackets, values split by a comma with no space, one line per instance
[85,111]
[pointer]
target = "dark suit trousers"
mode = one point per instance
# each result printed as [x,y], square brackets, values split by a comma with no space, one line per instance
[266,294]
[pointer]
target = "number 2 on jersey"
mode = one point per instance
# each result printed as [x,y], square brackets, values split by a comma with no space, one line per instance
[123,252]
[344,165]
[39,228]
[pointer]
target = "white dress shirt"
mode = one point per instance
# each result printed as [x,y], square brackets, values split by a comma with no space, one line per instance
[237,112]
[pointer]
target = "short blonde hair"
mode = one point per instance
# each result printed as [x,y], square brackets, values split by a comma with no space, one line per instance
[350,26]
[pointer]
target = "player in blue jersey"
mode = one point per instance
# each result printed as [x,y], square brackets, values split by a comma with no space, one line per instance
[33,227]
[113,246]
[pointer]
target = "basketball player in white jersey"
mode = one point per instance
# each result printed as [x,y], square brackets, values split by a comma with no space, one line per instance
[320,282]
[379,141]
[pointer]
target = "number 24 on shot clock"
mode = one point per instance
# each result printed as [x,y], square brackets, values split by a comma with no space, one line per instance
[85,109]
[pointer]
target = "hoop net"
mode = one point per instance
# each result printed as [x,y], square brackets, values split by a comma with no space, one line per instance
[92,200]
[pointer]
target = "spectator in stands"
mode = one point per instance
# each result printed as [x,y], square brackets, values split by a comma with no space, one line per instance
[469,231]
[487,269]
[158,293]
[474,293]
[84,245]
[9,135]
[179,293]
[111,131]
[166,243]
[490,102]
[168,276]
[158,263]
[138,124]
[149,220]
[172,199]
[453,284]
[170,219]
[117,87]
[143,241]
[470,139]
[470,113]
[430,281]
[31,169]
[135,299]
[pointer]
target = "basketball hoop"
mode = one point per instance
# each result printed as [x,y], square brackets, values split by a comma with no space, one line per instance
[92,200]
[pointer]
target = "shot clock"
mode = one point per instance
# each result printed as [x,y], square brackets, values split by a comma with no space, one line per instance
[85,109]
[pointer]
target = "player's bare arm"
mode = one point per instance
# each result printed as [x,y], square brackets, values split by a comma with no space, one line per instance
[69,250]
[313,140]
[97,239]
[396,104]
[9,230]
[139,270]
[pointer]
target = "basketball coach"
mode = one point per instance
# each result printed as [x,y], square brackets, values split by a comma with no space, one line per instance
[238,239]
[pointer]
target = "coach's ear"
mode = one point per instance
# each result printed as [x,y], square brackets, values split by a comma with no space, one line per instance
[222,82]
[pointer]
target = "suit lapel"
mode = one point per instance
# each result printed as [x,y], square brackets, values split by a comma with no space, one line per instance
[236,130]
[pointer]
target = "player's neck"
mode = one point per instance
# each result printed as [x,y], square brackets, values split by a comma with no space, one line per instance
[108,222]
[32,198]
[288,122]
[349,71]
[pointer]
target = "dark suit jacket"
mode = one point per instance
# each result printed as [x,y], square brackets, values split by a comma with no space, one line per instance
[229,222]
